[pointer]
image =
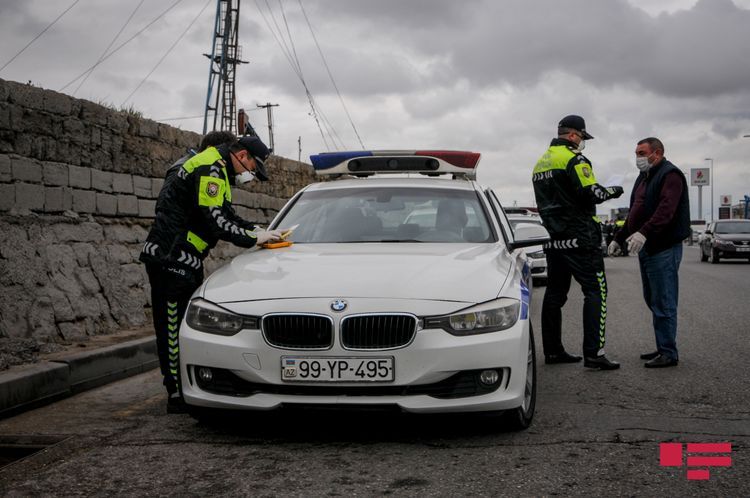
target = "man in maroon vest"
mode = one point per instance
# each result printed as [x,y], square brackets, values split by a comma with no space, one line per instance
[658,222]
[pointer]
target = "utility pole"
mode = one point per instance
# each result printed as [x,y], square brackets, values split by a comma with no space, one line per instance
[269,109]
[299,149]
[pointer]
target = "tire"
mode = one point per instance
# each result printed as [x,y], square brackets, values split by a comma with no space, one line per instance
[713,257]
[520,418]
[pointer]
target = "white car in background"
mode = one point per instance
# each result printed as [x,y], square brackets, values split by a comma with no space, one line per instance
[537,259]
[371,305]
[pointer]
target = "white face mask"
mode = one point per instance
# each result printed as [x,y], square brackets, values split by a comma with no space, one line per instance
[244,177]
[581,145]
[641,162]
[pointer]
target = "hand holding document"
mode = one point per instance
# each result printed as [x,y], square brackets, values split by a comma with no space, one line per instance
[286,233]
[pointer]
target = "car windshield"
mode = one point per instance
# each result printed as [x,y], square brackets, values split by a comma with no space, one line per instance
[733,227]
[388,214]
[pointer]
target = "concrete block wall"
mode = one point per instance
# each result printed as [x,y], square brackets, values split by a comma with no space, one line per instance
[78,188]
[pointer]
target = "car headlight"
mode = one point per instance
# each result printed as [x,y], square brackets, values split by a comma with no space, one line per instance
[536,254]
[496,315]
[207,317]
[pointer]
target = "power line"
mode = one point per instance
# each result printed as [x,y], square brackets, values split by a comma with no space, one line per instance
[293,61]
[109,46]
[121,45]
[40,34]
[166,53]
[326,123]
[325,63]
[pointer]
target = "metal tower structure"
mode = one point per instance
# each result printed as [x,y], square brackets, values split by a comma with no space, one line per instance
[224,57]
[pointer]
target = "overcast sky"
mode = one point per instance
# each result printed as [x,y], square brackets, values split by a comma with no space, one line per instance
[490,76]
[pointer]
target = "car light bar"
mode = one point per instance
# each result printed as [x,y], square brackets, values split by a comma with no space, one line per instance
[428,162]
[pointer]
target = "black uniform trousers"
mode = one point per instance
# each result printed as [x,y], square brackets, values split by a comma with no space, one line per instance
[171,289]
[587,267]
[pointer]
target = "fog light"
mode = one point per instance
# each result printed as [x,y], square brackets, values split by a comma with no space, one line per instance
[489,377]
[205,374]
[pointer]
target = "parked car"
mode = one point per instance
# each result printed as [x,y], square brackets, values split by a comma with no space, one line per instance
[726,239]
[370,304]
[537,259]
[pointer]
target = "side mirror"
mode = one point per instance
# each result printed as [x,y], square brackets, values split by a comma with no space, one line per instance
[708,232]
[529,234]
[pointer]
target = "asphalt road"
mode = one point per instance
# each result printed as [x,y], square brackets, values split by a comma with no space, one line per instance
[595,433]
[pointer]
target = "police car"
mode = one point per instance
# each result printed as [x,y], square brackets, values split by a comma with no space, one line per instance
[365,306]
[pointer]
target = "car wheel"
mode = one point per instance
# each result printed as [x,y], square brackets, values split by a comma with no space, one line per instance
[713,256]
[520,418]
[704,258]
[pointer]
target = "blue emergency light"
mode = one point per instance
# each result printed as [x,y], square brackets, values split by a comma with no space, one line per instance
[428,162]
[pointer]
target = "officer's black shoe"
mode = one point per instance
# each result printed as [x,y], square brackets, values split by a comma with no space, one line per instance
[175,404]
[649,356]
[563,357]
[600,363]
[661,361]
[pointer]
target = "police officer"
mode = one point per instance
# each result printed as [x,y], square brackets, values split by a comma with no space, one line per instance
[193,212]
[567,194]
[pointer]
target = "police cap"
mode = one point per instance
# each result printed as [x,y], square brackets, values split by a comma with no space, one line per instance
[575,123]
[256,148]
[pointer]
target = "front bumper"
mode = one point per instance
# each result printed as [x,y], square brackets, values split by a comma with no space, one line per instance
[433,359]
[732,252]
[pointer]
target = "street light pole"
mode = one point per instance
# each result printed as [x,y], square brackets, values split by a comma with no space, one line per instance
[711,179]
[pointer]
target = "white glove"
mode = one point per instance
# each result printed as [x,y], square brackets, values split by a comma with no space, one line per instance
[635,242]
[268,236]
[614,249]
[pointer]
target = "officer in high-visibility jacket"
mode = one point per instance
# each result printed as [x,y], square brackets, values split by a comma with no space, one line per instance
[193,212]
[566,195]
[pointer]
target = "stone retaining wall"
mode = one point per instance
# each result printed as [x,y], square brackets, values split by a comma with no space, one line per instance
[78,186]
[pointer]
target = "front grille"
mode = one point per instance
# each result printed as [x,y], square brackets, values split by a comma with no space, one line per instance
[459,385]
[377,331]
[298,331]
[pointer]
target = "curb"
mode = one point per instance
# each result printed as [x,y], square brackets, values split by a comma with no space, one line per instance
[36,385]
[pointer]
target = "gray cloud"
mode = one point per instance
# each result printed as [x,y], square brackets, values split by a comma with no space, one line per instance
[482,75]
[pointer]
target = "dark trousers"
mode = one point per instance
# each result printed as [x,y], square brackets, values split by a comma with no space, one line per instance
[171,289]
[587,267]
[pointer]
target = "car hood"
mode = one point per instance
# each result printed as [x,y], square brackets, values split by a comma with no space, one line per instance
[469,273]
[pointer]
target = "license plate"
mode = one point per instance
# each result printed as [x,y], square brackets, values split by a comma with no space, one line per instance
[336,369]
[743,249]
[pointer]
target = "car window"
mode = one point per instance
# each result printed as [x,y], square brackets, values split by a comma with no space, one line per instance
[388,214]
[732,227]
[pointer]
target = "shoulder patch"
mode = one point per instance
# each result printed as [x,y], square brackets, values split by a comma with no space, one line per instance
[212,189]
[586,171]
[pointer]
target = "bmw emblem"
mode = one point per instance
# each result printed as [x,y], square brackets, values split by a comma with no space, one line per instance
[338,305]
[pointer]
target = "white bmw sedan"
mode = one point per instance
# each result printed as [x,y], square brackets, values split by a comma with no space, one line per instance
[363,307]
